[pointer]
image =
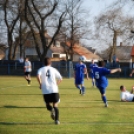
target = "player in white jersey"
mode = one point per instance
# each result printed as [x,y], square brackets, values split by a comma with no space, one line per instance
[125,95]
[49,79]
[27,70]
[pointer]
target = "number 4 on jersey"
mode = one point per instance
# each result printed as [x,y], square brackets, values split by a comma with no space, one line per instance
[48,73]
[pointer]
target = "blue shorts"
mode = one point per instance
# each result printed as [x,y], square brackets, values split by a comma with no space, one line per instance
[79,82]
[102,90]
[91,75]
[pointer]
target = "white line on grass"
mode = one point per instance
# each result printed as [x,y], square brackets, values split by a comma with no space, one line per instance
[13,87]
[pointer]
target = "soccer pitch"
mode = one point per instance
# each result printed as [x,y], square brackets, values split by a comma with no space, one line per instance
[22,110]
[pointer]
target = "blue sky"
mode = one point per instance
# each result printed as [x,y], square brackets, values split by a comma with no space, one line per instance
[96,6]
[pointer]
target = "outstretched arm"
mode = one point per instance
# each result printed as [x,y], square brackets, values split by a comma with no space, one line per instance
[131,73]
[115,70]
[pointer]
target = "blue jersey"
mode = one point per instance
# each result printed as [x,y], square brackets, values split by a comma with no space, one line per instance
[79,72]
[100,76]
[91,69]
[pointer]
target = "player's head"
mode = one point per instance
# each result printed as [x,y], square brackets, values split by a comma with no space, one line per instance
[82,58]
[47,61]
[122,88]
[92,61]
[26,59]
[101,63]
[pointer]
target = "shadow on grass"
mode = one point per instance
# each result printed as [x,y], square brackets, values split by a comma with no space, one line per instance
[10,106]
[25,123]
[71,123]
[20,94]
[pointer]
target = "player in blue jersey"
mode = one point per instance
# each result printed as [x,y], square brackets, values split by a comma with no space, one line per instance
[101,81]
[91,72]
[80,71]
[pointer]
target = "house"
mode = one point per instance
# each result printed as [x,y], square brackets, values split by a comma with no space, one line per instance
[29,49]
[3,49]
[124,55]
[83,51]
[58,50]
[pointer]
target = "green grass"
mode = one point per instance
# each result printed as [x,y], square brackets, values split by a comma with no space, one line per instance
[22,110]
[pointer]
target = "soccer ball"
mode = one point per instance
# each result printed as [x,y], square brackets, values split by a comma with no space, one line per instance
[82,58]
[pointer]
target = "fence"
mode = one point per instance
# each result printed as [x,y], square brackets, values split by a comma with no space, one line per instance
[65,68]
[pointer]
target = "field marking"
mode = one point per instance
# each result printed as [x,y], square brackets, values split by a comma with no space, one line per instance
[13,86]
[71,123]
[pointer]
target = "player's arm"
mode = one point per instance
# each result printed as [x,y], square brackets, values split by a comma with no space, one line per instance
[58,77]
[59,81]
[115,70]
[39,80]
[86,72]
[131,73]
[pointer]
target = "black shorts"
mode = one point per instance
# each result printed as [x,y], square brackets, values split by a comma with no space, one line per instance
[27,73]
[51,98]
[133,99]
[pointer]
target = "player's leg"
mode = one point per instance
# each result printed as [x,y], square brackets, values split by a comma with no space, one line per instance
[56,110]
[93,81]
[79,87]
[56,100]
[103,96]
[77,84]
[83,87]
[26,76]
[48,100]
[29,78]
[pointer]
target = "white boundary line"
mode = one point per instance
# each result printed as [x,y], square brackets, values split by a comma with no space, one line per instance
[13,87]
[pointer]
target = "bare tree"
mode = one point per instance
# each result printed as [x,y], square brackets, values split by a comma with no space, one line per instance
[76,26]
[40,19]
[11,17]
[112,24]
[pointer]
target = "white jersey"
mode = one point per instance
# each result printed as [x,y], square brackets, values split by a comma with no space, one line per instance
[48,77]
[28,67]
[127,96]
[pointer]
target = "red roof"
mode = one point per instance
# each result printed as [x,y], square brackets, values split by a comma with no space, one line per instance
[83,51]
[132,52]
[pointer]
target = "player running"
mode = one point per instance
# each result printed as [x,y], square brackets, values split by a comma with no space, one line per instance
[46,77]
[101,81]
[79,73]
[27,70]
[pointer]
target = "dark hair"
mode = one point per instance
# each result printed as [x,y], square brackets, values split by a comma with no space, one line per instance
[121,87]
[26,58]
[47,61]
[101,63]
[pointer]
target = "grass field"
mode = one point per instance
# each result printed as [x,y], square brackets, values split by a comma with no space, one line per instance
[22,110]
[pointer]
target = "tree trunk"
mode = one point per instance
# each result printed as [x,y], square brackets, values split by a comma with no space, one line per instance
[114,45]
[10,44]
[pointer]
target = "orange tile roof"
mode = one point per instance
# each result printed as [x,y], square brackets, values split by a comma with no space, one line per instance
[132,52]
[83,51]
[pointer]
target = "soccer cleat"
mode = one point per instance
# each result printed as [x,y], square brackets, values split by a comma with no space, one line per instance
[28,85]
[57,122]
[82,93]
[53,114]
[106,105]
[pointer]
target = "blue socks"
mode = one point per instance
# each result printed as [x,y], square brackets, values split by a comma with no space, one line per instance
[93,82]
[83,89]
[104,99]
